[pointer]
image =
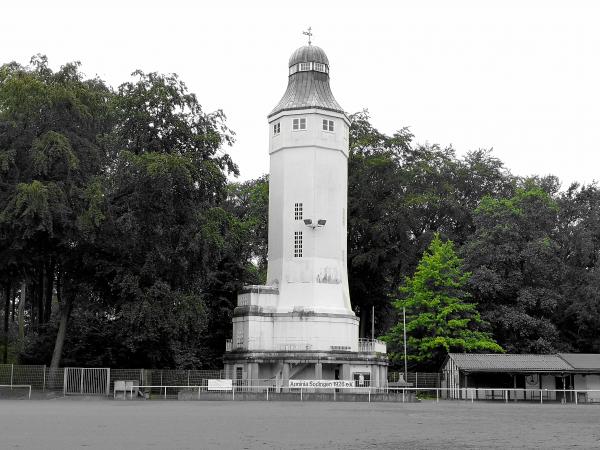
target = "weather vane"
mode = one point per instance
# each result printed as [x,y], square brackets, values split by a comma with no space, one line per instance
[309,34]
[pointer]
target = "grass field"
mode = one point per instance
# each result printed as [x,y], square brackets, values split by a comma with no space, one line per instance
[103,424]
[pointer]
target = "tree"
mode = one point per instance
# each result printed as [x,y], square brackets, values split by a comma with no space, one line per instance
[578,313]
[400,194]
[440,317]
[249,202]
[518,268]
[378,240]
[50,151]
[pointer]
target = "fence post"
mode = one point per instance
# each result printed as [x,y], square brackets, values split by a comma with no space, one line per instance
[416,379]
[44,379]
[108,382]
[12,369]
[65,371]
[437,395]
[300,394]
[233,392]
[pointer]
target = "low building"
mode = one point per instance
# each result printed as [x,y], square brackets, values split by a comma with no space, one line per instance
[521,377]
[585,374]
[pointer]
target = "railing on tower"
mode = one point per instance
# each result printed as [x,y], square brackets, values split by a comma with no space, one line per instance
[372,346]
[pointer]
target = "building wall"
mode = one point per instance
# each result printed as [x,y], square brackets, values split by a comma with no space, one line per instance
[309,167]
[588,382]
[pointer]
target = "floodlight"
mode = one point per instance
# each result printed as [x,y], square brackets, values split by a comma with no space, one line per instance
[308,222]
[321,222]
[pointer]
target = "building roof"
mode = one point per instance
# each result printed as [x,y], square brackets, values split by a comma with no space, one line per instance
[502,362]
[308,53]
[582,361]
[310,88]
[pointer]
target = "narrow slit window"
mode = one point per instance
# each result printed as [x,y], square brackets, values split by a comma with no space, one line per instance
[297,244]
[297,211]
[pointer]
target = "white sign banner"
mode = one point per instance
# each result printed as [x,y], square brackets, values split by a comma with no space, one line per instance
[321,384]
[219,385]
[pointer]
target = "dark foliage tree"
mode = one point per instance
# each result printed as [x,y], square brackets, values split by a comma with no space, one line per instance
[50,153]
[517,269]
[578,313]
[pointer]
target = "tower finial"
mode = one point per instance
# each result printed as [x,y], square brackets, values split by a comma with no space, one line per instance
[309,34]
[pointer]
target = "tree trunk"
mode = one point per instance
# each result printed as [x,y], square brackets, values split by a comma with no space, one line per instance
[363,321]
[65,311]
[6,315]
[40,296]
[22,316]
[49,287]
[14,304]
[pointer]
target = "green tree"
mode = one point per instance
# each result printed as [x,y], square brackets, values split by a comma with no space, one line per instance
[440,317]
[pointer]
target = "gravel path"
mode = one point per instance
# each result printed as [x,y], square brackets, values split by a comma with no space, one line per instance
[104,424]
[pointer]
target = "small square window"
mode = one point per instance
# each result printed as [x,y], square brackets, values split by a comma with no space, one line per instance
[276,128]
[304,66]
[327,125]
[331,125]
[324,125]
[299,124]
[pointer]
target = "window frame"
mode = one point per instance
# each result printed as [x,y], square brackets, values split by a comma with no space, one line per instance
[298,211]
[297,123]
[328,125]
[298,244]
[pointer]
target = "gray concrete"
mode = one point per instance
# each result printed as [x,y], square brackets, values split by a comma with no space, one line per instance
[71,423]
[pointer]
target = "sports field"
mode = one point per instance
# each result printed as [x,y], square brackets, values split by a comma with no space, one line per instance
[70,424]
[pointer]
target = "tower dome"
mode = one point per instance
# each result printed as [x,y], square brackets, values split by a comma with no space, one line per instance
[308,82]
[309,53]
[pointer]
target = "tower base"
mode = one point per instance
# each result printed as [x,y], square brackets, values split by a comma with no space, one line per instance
[366,369]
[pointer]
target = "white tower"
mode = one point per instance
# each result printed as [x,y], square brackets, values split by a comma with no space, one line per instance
[301,325]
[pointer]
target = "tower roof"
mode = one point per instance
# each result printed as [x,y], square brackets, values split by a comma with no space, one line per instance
[308,53]
[308,82]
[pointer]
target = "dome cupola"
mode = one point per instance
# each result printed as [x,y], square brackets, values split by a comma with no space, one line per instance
[308,82]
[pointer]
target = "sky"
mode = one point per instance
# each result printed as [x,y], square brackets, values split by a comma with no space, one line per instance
[521,77]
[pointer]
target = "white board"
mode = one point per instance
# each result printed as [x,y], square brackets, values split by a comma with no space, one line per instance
[220,385]
[321,384]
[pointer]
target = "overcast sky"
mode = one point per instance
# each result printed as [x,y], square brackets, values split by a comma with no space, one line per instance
[522,77]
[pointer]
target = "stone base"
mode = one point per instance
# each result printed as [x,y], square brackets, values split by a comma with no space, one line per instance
[277,367]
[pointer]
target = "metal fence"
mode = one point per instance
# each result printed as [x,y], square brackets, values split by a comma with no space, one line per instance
[417,379]
[44,378]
